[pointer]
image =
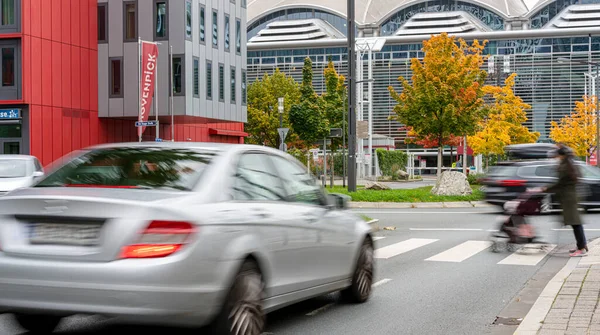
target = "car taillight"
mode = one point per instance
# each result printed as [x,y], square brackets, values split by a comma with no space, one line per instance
[512,183]
[160,239]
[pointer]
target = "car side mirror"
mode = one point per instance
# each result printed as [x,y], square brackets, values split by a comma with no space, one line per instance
[38,174]
[339,201]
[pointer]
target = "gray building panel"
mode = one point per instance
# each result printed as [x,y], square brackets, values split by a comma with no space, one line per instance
[115,28]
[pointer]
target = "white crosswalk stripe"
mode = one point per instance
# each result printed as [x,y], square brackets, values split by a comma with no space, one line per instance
[402,247]
[376,238]
[527,257]
[461,252]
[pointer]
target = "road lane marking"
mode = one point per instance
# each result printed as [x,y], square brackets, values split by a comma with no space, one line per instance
[461,252]
[571,229]
[402,247]
[383,212]
[530,259]
[381,282]
[320,309]
[378,238]
[445,229]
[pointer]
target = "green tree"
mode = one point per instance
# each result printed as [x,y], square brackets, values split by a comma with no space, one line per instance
[263,114]
[445,95]
[307,118]
[334,104]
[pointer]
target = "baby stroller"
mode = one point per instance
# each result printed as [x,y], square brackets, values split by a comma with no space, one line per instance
[515,232]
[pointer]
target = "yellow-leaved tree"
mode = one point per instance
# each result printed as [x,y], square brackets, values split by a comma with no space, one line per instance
[504,124]
[578,130]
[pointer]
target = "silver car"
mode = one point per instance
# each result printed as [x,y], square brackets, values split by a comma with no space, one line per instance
[18,171]
[177,234]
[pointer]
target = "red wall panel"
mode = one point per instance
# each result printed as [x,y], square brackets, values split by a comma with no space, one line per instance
[76,130]
[93,31]
[56,74]
[85,129]
[56,22]
[46,72]
[93,80]
[35,113]
[57,146]
[75,23]
[46,19]
[47,137]
[26,70]
[85,79]
[67,131]
[84,23]
[25,15]
[66,76]
[35,19]
[36,69]
[66,21]
[75,77]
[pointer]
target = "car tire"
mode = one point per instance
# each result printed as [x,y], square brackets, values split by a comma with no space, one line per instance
[242,312]
[38,324]
[362,279]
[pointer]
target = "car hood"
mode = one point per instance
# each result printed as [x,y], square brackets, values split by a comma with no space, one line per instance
[9,184]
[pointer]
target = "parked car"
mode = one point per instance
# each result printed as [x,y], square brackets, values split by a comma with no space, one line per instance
[18,171]
[509,179]
[178,234]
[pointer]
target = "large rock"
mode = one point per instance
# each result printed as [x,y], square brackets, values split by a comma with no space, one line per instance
[402,174]
[452,183]
[376,186]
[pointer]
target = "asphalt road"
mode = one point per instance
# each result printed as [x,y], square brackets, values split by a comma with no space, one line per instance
[435,275]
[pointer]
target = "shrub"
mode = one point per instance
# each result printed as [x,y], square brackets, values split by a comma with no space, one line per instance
[391,161]
[474,178]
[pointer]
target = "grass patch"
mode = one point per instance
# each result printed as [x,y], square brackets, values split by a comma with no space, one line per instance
[421,194]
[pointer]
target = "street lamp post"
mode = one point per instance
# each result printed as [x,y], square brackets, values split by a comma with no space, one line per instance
[280,108]
[351,166]
[597,65]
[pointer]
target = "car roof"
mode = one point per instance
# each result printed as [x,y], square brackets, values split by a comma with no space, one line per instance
[534,162]
[13,157]
[208,146]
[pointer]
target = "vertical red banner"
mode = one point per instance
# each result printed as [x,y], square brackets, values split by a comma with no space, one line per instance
[147,81]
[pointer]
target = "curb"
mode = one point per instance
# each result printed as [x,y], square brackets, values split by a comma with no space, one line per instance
[405,205]
[536,315]
[374,224]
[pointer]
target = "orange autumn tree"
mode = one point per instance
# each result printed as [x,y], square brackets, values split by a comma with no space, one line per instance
[504,124]
[445,94]
[578,130]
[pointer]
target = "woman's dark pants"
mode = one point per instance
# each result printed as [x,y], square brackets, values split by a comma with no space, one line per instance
[579,236]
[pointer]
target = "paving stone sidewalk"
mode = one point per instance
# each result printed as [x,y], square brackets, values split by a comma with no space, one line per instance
[576,309]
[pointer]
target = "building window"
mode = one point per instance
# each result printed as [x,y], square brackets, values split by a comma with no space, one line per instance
[243,3]
[8,12]
[116,77]
[244,96]
[202,24]
[188,20]
[226,32]
[238,36]
[161,21]
[215,29]
[178,73]
[209,80]
[196,77]
[130,18]
[8,67]
[233,91]
[221,82]
[102,23]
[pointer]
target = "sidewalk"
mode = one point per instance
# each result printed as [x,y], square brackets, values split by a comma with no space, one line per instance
[570,303]
[404,205]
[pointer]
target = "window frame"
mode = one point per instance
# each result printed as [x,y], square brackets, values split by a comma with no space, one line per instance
[196,77]
[14,92]
[202,23]
[111,93]
[136,23]
[105,40]
[244,87]
[166,23]
[221,82]
[244,4]
[232,84]
[214,34]
[227,32]
[323,202]
[238,35]
[209,79]
[16,27]
[181,57]
[185,10]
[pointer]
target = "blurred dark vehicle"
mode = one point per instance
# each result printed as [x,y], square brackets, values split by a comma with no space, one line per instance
[530,166]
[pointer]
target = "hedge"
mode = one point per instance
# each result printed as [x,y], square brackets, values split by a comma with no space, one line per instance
[391,161]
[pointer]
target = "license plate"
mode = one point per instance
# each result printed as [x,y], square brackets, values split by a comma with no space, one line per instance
[494,189]
[64,234]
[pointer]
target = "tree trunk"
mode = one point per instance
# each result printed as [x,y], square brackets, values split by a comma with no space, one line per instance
[465,167]
[439,160]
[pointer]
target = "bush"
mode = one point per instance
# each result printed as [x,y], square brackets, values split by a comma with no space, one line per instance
[474,178]
[391,161]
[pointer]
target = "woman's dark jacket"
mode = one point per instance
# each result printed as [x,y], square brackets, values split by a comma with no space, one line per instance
[565,191]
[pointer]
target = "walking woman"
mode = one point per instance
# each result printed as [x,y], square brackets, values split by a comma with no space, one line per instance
[566,192]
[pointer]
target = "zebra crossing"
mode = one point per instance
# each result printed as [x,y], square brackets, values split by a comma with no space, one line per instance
[460,252]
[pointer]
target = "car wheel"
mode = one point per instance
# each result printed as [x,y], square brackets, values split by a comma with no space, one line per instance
[38,324]
[362,280]
[242,312]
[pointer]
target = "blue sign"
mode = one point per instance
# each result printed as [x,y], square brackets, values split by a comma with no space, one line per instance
[146,123]
[10,114]
[158,140]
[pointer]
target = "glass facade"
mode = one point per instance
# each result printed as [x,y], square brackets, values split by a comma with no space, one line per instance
[298,14]
[549,86]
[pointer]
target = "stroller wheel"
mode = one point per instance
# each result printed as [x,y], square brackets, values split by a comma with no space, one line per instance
[498,246]
[512,247]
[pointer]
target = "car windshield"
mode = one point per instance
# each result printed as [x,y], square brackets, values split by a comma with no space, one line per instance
[155,168]
[13,168]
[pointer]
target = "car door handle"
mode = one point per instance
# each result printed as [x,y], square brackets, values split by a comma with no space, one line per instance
[311,218]
[261,212]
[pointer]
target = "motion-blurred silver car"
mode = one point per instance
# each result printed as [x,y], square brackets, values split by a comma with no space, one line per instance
[177,234]
[18,171]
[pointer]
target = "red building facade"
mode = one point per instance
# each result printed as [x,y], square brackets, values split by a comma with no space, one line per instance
[49,66]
